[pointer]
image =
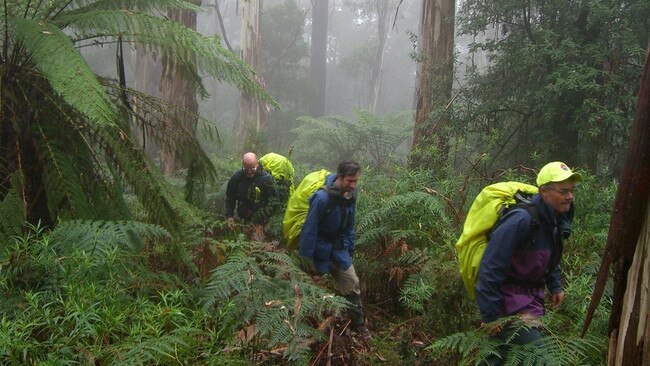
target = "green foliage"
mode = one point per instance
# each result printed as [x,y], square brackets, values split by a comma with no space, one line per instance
[62,304]
[66,131]
[557,72]
[271,300]
[371,138]
[553,349]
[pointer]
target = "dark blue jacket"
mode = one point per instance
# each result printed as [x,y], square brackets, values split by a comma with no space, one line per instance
[515,269]
[328,232]
[250,196]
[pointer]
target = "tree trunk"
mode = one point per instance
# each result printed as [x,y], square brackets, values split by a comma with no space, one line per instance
[146,81]
[628,246]
[252,113]
[177,90]
[383,8]
[630,342]
[435,75]
[319,57]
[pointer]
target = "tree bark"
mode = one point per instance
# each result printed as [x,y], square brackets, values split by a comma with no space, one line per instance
[146,81]
[319,57]
[382,7]
[252,113]
[627,246]
[177,90]
[434,84]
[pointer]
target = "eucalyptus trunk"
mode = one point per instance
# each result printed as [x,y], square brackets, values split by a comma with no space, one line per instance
[382,7]
[319,57]
[146,81]
[177,89]
[628,247]
[434,84]
[252,112]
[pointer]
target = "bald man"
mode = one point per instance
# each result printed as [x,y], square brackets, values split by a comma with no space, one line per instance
[249,191]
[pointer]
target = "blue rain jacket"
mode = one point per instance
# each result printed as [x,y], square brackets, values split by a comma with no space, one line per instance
[328,232]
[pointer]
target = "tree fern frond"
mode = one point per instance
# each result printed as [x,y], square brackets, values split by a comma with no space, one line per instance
[103,236]
[62,180]
[12,213]
[139,5]
[175,40]
[66,71]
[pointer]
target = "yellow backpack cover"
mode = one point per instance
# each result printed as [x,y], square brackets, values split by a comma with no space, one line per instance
[298,206]
[486,210]
[279,167]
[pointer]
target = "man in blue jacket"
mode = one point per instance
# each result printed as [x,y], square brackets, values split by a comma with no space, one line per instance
[327,236]
[250,190]
[522,258]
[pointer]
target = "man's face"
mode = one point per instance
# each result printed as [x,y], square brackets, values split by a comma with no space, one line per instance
[348,182]
[559,195]
[250,169]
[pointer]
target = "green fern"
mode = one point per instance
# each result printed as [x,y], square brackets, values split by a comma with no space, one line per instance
[67,131]
[101,237]
[475,346]
[269,291]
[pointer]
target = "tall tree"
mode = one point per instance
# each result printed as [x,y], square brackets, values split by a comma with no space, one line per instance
[319,56]
[177,89]
[285,66]
[252,112]
[560,84]
[67,150]
[375,12]
[434,84]
[628,245]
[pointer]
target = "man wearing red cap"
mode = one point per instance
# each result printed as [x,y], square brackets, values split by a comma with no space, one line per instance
[522,257]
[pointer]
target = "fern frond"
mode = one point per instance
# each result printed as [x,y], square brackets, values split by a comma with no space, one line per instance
[12,213]
[185,46]
[66,71]
[103,236]
[139,5]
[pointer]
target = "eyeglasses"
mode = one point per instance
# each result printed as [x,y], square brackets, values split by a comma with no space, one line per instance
[249,169]
[563,191]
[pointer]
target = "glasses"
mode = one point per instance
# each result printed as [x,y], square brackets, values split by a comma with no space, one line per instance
[563,191]
[250,168]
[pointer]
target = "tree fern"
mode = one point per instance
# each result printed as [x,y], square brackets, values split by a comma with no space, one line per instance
[54,55]
[66,132]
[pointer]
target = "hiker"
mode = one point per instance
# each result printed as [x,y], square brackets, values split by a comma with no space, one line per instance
[522,258]
[250,190]
[327,237]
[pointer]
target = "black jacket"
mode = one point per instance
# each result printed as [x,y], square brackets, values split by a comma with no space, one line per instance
[251,196]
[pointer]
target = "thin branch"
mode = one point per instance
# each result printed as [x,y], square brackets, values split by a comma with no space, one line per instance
[221,25]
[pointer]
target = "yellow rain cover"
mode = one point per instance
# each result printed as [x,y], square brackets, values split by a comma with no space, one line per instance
[279,167]
[480,219]
[298,206]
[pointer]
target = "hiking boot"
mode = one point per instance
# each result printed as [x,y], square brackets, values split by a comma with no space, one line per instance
[363,331]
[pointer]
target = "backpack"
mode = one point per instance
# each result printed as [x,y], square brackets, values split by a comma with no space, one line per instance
[279,167]
[298,206]
[492,203]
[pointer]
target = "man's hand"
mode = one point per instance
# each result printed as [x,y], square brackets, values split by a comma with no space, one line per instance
[231,223]
[557,299]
